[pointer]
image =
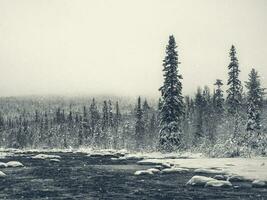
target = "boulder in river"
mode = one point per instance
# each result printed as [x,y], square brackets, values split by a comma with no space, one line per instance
[220,177]
[237,178]
[14,164]
[218,183]
[259,183]
[199,180]
[45,156]
[3,165]
[143,172]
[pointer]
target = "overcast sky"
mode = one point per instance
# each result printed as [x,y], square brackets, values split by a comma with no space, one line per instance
[117,46]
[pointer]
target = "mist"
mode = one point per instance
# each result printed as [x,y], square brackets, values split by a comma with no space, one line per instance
[117,47]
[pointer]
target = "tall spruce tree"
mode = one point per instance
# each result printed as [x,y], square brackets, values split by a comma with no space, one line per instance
[254,101]
[234,93]
[234,97]
[139,125]
[172,108]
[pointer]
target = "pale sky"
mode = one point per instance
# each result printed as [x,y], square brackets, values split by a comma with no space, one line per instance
[117,46]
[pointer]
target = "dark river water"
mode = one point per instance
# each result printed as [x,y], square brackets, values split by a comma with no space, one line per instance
[78,176]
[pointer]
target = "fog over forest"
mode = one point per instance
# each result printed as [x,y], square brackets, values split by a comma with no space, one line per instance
[116,47]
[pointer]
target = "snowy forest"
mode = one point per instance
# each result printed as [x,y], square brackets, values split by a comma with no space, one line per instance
[213,121]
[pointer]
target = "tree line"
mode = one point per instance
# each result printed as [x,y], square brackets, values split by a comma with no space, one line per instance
[208,122]
[99,125]
[217,122]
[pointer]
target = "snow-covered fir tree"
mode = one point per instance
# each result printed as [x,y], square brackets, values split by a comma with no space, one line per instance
[254,100]
[234,92]
[198,121]
[94,123]
[208,115]
[105,116]
[139,125]
[172,108]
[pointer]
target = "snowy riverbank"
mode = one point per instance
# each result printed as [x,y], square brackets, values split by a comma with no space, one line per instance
[249,168]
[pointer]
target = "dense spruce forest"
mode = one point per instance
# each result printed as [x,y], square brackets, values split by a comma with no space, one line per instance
[213,121]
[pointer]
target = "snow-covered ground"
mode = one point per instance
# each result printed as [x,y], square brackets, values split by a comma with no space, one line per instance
[249,168]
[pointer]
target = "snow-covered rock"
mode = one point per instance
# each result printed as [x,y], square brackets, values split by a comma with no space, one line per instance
[14,164]
[166,165]
[218,183]
[45,156]
[250,168]
[237,178]
[220,177]
[208,171]
[199,180]
[174,170]
[54,160]
[143,172]
[3,165]
[2,174]
[259,183]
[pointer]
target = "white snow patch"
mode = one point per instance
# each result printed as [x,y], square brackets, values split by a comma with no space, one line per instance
[208,171]
[55,160]
[143,172]
[249,168]
[218,183]
[2,174]
[199,180]
[45,156]
[174,170]
[158,155]
[4,153]
[151,162]
[14,164]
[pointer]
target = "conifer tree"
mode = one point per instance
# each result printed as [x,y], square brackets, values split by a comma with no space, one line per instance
[116,123]
[172,108]
[209,116]
[218,98]
[117,118]
[254,101]
[94,119]
[234,93]
[146,113]
[105,116]
[139,125]
[199,103]
[152,126]
[110,114]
